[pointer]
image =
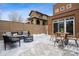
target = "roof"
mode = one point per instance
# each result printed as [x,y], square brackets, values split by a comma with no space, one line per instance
[35,18]
[37,12]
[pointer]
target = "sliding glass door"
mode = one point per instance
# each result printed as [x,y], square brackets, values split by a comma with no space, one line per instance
[70,26]
[65,25]
[58,26]
[61,26]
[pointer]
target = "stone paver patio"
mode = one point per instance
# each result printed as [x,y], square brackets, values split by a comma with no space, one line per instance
[41,46]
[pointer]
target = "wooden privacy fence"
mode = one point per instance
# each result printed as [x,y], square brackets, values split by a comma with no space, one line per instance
[8,26]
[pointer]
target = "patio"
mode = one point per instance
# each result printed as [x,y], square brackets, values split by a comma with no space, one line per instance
[41,46]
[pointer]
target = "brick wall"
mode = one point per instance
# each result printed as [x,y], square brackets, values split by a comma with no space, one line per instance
[59,5]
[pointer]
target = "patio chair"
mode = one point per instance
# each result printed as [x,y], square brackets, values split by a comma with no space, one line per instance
[75,38]
[52,36]
[59,38]
[8,40]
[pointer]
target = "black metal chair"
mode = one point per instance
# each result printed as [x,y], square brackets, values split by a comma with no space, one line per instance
[8,40]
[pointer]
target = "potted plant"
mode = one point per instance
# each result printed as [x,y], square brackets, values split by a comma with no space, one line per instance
[62,30]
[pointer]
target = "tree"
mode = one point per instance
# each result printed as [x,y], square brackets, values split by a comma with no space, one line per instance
[0,14]
[14,16]
[20,19]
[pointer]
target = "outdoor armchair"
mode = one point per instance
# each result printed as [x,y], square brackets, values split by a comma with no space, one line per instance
[75,38]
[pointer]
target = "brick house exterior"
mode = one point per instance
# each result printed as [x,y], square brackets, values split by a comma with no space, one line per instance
[65,18]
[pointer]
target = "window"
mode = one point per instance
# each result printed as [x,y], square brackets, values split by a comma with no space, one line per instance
[62,8]
[44,17]
[61,26]
[69,27]
[68,6]
[31,21]
[38,22]
[43,22]
[55,27]
[64,25]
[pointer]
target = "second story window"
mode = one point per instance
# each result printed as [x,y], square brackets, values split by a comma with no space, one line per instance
[44,17]
[68,6]
[62,8]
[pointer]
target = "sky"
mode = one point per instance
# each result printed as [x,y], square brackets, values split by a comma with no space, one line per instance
[23,9]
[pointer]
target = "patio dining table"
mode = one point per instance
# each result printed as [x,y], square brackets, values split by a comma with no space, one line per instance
[63,37]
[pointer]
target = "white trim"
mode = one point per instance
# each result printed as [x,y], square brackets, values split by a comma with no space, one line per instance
[62,8]
[64,20]
[73,23]
[64,25]
[69,6]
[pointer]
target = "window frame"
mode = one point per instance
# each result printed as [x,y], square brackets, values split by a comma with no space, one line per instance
[62,8]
